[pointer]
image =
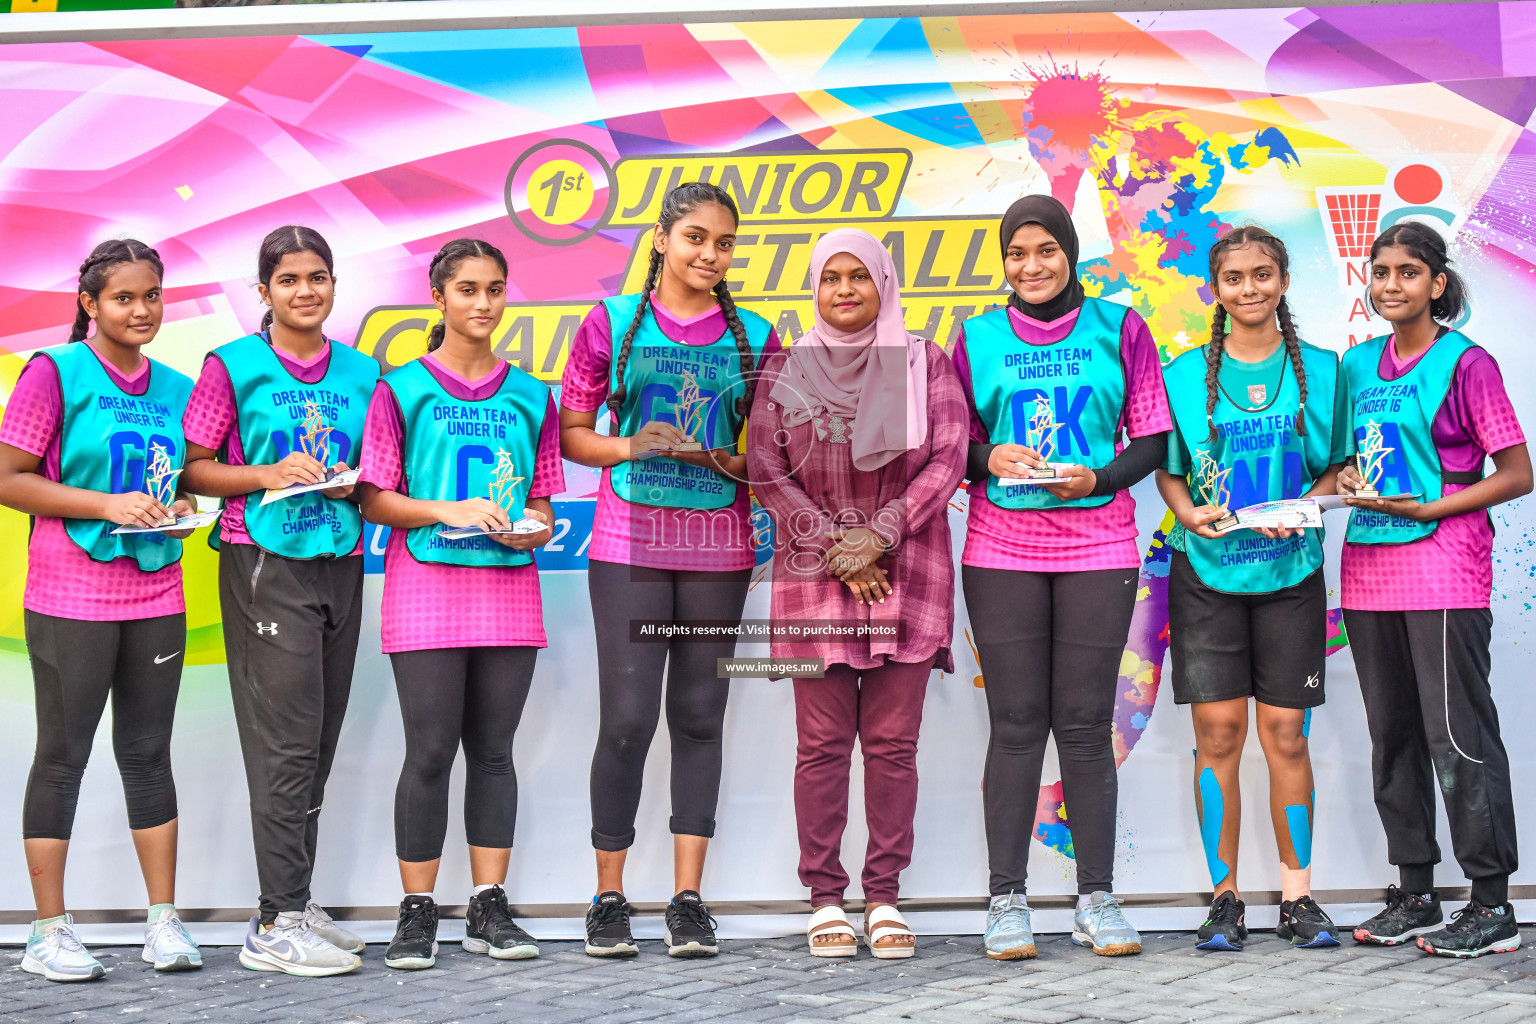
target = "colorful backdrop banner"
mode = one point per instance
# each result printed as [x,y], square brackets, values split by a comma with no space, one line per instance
[1160,130]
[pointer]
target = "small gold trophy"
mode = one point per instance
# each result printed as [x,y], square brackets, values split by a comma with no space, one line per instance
[160,479]
[504,483]
[1372,460]
[690,414]
[313,434]
[1041,436]
[1211,481]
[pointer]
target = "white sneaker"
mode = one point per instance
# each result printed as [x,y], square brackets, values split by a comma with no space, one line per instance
[291,947]
[56,952]
[321,924]
[168,946]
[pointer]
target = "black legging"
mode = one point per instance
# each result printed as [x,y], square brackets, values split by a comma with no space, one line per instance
[76,665]
[629,683]
[1050,646]
[468,695]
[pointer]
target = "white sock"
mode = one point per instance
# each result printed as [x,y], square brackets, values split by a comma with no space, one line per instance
[481,888]
[1084,899]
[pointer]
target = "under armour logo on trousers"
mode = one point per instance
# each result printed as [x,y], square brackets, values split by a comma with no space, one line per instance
[270,628]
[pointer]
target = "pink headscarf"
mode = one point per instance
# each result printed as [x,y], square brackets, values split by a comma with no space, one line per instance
[877,377]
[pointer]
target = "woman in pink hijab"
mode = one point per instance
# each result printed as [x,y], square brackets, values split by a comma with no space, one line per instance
[857,441]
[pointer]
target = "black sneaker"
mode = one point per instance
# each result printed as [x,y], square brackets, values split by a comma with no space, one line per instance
[1305,925]
[414,947]
[1224,927]
[1473,931]
[690,929]
[489,928]
[1406,914]
[608,926]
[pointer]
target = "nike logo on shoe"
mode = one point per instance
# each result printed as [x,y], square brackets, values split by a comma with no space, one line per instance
[282,949]
[163,658]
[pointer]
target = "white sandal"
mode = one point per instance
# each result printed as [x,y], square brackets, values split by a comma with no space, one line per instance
[830,920]
[885,921]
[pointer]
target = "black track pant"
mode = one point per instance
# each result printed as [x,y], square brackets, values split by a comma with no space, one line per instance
[76,665]
[1050,646]
[469,696]
[1424,678]
[629,682]
[290,634]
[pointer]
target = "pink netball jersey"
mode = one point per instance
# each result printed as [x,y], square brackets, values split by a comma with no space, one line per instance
[435,606]
[1452,567]
[1066,539]
[631,534]
[211,421]
[62,580]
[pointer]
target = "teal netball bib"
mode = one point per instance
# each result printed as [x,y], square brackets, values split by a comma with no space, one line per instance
[663,378]
[1080,378]
[1397,416]
[1262,459]
[280,414]
[456,449]
[117,443]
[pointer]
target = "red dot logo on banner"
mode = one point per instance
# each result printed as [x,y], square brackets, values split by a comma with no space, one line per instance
[560,192]
[1418,184]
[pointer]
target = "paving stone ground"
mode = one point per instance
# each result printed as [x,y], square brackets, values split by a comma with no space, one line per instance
[947,982]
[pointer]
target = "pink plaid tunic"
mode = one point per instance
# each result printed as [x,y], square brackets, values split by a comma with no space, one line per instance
[808,486]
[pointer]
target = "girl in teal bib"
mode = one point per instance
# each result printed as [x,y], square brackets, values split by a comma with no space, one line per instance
[1050,571]
[276,408]
[460,439]
[1428,409]
[91,441]
[1257,417]
[675,366]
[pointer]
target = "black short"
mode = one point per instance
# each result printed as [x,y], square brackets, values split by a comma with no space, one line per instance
[1271,647]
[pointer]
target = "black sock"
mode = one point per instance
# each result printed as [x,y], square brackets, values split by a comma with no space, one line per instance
[1418,879]
[1492,891]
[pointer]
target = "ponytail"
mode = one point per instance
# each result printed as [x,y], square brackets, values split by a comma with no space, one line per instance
[1213,352]
[744,350]
[98,265]
[620,392]
[1293,349]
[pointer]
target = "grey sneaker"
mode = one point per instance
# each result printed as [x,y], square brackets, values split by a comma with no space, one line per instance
[1103,928]
[1009,935]
[168,946]
[291,947]
[56,952]
[321,924]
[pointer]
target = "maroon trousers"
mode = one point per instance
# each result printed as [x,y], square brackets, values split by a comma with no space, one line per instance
[883,709]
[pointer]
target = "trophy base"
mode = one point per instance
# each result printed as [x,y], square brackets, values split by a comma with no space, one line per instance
[1226,522]
[1046,473]
[687,446]
[1367,492]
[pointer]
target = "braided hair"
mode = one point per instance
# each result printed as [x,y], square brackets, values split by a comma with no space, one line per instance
[1236,239]
[1424,244]
[682,200]
[98,265]
[286,241]
[442,269]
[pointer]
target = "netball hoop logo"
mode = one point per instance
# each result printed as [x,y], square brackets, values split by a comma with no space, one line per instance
[1416,189]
